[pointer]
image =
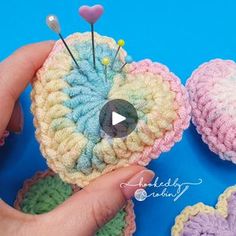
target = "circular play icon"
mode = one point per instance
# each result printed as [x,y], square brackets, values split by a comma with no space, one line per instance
[118,118]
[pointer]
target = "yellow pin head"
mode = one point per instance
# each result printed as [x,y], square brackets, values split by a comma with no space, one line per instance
[106,61]
[121,43]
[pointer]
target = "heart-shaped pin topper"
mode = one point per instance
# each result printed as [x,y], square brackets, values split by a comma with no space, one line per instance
[91,14]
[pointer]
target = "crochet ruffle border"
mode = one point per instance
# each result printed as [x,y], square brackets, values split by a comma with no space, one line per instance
[163,144]
[30,182]
[4,136]
[129,208]
[214,143]
[190,211]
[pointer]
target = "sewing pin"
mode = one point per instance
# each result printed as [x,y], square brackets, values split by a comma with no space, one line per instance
[128,60]
[106,62]
[120,44]
[91,15]
[53,23]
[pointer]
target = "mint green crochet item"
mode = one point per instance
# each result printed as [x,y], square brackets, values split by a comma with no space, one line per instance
[45,195]
[115,227]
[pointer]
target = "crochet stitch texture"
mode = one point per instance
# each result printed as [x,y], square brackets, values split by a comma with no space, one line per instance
[44,195]
[204,220]
[45,191]
[212,95]
[4,136]
[66,103]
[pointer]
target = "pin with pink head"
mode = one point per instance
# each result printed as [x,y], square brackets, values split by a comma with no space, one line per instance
[91,15]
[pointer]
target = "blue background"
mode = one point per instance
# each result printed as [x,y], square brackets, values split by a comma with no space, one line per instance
[180,34]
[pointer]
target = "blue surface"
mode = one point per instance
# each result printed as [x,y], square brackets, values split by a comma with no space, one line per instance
[180,34]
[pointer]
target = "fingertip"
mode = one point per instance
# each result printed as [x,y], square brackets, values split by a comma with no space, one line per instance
[16,72]
[47,45]
[138,181]
[100,200]
[35,53]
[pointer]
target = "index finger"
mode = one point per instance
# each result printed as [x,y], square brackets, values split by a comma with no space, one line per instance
[15,74]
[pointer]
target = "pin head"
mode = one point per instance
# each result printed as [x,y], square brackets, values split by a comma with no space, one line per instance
[91,14]
[128,59]
[53,23]
[106,61]
[121,42]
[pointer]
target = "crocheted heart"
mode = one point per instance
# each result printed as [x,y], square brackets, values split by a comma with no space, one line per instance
[204,220]
[91,14]
[212,95]
[45,191]
[66,103]
[4,136]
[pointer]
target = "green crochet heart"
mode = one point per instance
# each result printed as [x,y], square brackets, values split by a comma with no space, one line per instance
[115,227]
[49,192]
[45,195]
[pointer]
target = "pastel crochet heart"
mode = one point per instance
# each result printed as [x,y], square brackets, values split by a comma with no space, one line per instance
[45,191]
[4,136]
[66,103]
[205,220]
[212,95]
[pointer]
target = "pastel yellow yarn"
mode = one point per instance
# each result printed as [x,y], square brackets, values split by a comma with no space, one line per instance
[156,94]
[158,102]
[62,147]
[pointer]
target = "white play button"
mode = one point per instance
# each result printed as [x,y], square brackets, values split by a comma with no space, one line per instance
[117,118]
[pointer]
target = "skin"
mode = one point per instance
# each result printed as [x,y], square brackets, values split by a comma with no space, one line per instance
[89,209]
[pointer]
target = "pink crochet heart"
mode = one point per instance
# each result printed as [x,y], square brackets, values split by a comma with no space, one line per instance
[91,14]
[212,95]
[2,139]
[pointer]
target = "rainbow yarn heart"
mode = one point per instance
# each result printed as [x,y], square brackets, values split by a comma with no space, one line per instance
[66,103]
[208,221]
[212,95]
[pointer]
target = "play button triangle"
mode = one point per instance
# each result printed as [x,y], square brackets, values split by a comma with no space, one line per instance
[117,118]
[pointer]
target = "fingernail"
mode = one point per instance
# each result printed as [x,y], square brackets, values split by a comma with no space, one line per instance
[136,182]
[16,122]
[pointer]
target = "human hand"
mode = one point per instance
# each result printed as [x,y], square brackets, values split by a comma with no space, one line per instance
[89,209]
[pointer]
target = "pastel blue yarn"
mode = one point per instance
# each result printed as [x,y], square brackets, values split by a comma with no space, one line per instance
[88,93]
[128,59]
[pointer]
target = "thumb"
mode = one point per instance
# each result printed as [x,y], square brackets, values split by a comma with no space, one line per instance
[89,209]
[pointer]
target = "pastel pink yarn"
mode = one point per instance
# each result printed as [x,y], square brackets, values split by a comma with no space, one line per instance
[164,144]
[212,90]
[2,139]
[80,153]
